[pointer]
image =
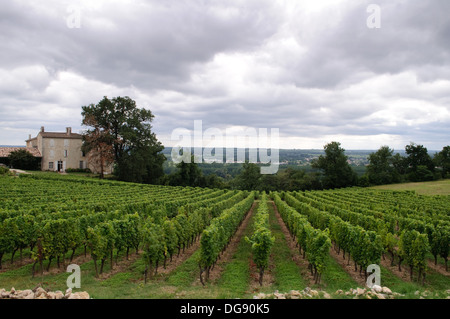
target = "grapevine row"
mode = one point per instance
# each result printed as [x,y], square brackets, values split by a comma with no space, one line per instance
[314,243]
[216,237]
[261,241]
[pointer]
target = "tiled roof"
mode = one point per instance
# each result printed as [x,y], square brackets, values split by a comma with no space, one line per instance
[5,151]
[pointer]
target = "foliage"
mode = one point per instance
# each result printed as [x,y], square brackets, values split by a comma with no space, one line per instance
[337,172]
[381,169]
[122,132]
[262,239]
[22,159]
[249,178]
[442,160]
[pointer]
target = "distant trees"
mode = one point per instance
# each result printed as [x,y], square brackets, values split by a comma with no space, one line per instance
[420,164]
[249,178]
[385,167]
[442,161]
[336,170]
[381,169]
[187,174]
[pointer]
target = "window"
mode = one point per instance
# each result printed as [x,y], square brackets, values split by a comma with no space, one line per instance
[81,165]
[52,153]
[66,153]
[66,142]
[52,143]
[50,165]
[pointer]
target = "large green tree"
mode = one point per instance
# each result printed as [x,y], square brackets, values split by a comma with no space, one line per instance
[381,168]
[420,164]
[187,174]
[442,160]
[249,178]
[336,170]
[135,148]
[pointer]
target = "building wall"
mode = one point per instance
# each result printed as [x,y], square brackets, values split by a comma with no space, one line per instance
[60,149]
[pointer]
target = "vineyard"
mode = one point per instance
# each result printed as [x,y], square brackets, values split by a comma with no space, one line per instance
[147,241]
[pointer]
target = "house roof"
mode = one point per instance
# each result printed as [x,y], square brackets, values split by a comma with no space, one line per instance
[61,135]
[5,151]
[57,135]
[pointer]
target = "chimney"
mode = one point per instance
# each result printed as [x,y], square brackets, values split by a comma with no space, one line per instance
[42,129]
[68,130]
[29,136]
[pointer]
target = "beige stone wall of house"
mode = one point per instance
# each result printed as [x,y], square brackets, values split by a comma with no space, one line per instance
[64,150]
[59,151]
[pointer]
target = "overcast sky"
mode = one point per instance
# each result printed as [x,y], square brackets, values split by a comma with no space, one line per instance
[317,72]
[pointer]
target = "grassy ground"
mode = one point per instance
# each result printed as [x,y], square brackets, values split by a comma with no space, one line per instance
[441,187]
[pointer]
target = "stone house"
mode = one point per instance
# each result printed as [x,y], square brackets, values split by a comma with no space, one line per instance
[61,150]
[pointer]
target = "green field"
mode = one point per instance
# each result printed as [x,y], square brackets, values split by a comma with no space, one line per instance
[46,200]
[441,187]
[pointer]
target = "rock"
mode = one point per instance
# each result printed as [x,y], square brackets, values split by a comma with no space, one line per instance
[380,296]
[377,288]
[339,292]
[68,293]
[51,295]
[387,291]
[5,294]
[295,293]
[29,296]
[314,293]
[13,291]
[279,296]
[360,291]
[23,294]
[82,295]
[42,296]
[326,295]
[59,295]
[40,292]
[73,296]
